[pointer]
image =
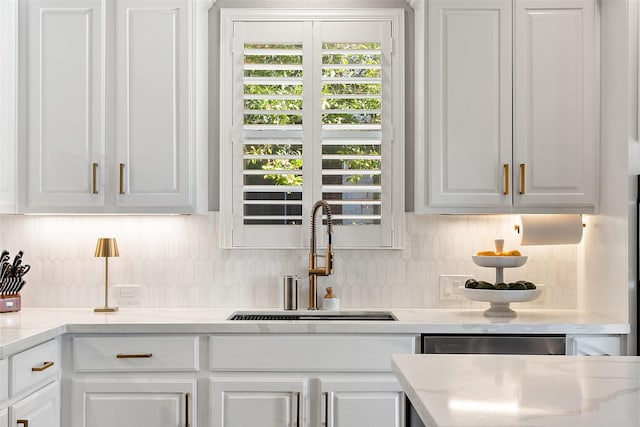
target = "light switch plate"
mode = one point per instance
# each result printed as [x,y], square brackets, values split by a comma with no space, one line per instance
[449,284]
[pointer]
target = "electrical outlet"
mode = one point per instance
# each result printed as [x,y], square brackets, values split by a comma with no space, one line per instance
[127,295]
[127,292]
[450,284]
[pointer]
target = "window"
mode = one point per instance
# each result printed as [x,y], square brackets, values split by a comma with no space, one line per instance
[312,107]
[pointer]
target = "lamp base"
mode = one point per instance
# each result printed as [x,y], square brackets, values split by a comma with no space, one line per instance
[105,309]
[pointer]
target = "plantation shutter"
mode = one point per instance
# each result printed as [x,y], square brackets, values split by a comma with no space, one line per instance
[306,114]
[269,132]
[355,128]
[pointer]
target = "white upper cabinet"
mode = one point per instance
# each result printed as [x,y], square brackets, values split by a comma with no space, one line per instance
[556,130]
[511,107]
[8,106]
[113,122]
[152,114]
[469,103]
[63,55]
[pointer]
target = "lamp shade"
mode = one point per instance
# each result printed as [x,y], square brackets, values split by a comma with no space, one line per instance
[107,247]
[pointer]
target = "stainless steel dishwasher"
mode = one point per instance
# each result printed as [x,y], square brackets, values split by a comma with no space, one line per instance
[486,344]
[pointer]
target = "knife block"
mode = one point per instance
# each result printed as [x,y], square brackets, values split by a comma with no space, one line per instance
[10,303]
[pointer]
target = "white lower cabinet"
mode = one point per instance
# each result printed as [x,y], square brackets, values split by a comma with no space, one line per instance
[4,380]
[353,402]
[34,367]
[132,403]
[131,380]
[306,380]
[35,387]
[39,409]
[594,345]
[261,402]
[279,400]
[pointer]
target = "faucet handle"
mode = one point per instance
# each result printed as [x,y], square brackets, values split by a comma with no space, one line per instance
[329,261]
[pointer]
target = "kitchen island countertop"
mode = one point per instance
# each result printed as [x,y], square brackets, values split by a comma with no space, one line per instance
[31,326]
[541,391]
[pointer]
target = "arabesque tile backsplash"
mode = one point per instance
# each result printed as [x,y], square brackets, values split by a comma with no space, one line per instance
[177,262]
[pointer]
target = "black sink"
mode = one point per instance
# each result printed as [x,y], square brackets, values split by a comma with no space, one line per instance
[314,316]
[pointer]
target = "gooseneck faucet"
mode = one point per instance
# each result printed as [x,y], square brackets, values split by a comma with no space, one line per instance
[314,269]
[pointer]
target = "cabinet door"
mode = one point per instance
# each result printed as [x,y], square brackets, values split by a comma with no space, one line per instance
[64,105]
[4,417]
[374,403]
[470,135]
[257,402]
[8,103]
[555,105]
[132,403]
[40,409]
[153,145]
[4,380]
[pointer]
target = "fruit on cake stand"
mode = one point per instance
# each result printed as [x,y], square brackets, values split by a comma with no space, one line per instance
[500,294]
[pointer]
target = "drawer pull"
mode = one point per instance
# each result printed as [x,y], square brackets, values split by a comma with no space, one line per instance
[134,356]
[45,365]
[25,423]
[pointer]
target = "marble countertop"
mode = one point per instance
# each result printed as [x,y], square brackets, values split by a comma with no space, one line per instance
[32,326]
[541,391]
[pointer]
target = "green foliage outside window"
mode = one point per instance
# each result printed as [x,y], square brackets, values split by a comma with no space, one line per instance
[276,99]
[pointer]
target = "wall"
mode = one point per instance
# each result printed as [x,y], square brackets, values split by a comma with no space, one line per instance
[177,263]
[603,268]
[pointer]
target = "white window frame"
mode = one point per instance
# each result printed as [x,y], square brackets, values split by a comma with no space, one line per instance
[269,237]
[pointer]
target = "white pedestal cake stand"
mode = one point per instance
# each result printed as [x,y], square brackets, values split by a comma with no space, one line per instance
[500,299]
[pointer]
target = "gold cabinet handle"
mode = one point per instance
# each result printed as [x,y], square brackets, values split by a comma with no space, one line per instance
[506,179]
[187,416]
[94,175]
[45,365]
[325,396]
[25,423]
[298,411]
[121,178]
[522,172]
[134,356]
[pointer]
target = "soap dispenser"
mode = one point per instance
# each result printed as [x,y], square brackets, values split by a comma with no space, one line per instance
[330,302]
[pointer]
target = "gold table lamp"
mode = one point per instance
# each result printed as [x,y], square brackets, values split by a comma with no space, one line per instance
[106,247]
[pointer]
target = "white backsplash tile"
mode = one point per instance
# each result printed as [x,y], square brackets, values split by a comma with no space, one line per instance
[177,262]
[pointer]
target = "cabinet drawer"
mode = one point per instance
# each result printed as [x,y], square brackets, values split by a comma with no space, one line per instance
[4,380]
[35,366]
[590,345]
[353,353]
[135,353]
